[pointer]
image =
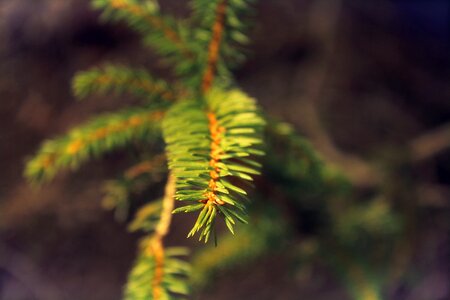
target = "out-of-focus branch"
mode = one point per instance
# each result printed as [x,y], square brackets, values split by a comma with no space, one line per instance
[430,144]
[156,247]
[325,24]
[360,173]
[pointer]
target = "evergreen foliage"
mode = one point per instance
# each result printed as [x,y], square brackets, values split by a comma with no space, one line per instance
[121,80]
[98,136]
[215,140]
[212,139]
[118,193]
[167,36]
[207,150]
[169,276]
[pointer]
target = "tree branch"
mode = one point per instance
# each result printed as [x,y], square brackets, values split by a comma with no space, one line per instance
[156,247]
[430,144]
[214,46]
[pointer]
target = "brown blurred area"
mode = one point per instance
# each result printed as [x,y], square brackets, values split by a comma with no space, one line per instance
[366,81]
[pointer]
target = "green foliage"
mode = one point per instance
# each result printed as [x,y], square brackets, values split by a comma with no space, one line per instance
[213,142]
[119,193]
[208,148]
[374,219]
[116,197]
[102,134]
[294,164]
[170,38]
[158,273]
[120,79]
[232,111]
[139,15]
[205,14]
[361,234]
[144,284]
[147,218]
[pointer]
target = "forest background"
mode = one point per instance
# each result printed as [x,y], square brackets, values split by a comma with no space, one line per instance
[362,80]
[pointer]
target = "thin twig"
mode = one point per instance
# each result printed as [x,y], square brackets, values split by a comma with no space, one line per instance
[214,46]
[156,247]
[327,26]
[430,144]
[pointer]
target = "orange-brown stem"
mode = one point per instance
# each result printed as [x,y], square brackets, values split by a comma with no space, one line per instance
[154,21]
[76,145]
[155,246]
[145,167]
[214,46]
[148,87]
[216,132]
[157,249]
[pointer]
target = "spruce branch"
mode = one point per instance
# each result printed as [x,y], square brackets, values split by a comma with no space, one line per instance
[167,36]
[147,217]
[120,79]
[102,134]
[157,273]
[208,150]
[168,203]
[145,167]
[221,32]
[156,245]
[214,45]
[118,193]
[142,17]
[212,142]
[292,158]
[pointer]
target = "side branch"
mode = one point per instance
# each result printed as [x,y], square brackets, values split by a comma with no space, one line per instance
[157,273]
[168,203]
[209,170]
[144,167]
[153,20]
[430,143]
[119,79]
[214,46]
[156,247]
[94,138]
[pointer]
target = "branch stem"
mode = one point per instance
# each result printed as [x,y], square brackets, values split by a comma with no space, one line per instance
[214,46]
[156,246]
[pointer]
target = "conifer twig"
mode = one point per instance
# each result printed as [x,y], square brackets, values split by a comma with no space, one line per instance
[430,144]
[103,134]
[119,79]
[153,20]
[216,132]
[145,166]
[156,247]
[214,45]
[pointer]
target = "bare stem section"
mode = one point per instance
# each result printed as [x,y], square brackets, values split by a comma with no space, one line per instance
[156,247]
[214,46]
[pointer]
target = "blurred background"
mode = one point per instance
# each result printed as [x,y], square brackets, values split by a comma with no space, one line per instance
[366,82]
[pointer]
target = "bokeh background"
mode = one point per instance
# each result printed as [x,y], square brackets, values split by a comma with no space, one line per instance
[366,82]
